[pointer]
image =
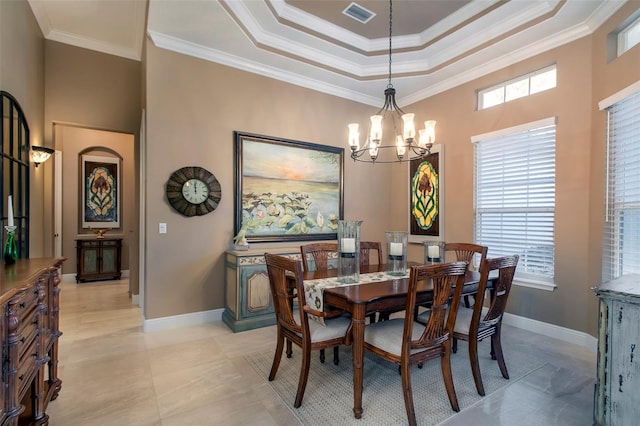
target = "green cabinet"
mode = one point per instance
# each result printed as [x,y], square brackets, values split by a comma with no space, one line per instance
[248,302]
[98,259]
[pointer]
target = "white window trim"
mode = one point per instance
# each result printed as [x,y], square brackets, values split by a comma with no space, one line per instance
[523,282]
[538,285]
[526,77]
[618,96]
[514,129]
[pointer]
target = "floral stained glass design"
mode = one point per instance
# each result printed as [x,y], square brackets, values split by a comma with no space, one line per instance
[424,196]
[100,198]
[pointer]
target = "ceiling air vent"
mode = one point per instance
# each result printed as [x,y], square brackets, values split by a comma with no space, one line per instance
[358,13]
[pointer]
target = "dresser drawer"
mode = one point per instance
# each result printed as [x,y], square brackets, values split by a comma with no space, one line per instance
[27,368]
[26,304]
[27,335]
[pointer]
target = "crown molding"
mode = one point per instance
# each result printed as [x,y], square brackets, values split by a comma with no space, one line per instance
[224,58]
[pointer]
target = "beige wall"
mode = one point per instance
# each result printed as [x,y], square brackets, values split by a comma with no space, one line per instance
[583,79]
[102,92]
[570,103]
[75,142]
[215,100]
[608,79]
[22,75]
[193,107]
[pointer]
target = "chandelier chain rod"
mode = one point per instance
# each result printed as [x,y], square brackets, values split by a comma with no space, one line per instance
[405,145]
[390,37]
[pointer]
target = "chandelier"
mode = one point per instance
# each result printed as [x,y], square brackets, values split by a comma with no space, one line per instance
[397,146]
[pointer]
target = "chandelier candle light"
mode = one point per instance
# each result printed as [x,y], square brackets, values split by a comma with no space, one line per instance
[404,146]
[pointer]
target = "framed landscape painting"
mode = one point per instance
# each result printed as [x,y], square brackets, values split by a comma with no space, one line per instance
[100,192]
[426,189]
[287,190]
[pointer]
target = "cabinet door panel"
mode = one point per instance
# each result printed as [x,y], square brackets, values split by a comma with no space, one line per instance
[89,260]
[109,256]
[625,362]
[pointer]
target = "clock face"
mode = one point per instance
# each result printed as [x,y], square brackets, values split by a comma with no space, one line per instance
[193,191]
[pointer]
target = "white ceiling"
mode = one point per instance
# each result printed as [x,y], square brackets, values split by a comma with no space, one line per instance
[437,44]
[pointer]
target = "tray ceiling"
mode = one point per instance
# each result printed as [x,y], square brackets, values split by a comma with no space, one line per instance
[437,44]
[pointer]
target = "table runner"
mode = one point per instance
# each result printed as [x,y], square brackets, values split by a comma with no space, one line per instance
[314,289]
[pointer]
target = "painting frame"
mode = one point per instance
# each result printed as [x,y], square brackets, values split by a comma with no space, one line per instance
[421,179]
[287,190]
[101,192]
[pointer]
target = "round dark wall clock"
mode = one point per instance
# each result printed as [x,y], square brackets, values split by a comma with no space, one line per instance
[193,191]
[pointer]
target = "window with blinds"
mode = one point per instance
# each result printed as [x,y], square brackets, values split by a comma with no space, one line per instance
[621,248]
[514,196]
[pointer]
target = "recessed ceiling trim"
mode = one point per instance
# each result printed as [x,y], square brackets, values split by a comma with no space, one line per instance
[39,11]
[358,13]
[134,30]
[465,70]
[288,14]
[97,45]
[224,58]
[263,29]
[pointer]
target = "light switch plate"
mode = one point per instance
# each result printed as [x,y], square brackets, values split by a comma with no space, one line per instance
[162,228]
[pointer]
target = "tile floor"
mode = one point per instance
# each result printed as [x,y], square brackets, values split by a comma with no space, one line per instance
[114,374]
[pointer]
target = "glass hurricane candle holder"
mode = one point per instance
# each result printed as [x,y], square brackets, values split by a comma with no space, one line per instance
[349,251]
[397,252]
[433,252]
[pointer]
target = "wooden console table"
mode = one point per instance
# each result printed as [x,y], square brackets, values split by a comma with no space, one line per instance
[248,302]
[98,259]
[29,300]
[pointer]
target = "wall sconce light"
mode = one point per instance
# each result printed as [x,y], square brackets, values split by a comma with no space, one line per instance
[40,154]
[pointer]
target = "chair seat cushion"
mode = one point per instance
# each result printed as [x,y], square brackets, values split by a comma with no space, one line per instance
[387,335]
[423,317]
[334,328]
[463,320]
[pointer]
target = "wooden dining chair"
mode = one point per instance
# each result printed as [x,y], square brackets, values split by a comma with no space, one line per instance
[365,252]
[294,326]
[319,253]
[467,252]
[408,343]
[472,326]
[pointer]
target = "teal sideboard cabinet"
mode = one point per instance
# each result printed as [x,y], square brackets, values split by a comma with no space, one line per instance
[617,399]
[248,302]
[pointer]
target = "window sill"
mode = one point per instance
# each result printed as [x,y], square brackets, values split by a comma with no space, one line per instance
[539,285]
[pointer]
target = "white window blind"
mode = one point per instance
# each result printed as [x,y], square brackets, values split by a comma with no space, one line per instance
[514,197]
[621,248]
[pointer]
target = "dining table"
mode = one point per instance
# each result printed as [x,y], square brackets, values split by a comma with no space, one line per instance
[364,298]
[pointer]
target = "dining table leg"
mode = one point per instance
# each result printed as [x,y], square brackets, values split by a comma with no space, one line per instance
[358,317]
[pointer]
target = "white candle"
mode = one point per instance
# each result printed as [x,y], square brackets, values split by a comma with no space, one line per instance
[395,249]
[433,252]
[348,245]
[10,211]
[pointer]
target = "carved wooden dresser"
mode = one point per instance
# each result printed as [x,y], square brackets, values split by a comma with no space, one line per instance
[29,300]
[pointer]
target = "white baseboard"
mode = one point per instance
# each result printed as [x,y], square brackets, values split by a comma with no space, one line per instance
[176,321]
[135,299]
[551,330]
[535,326]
